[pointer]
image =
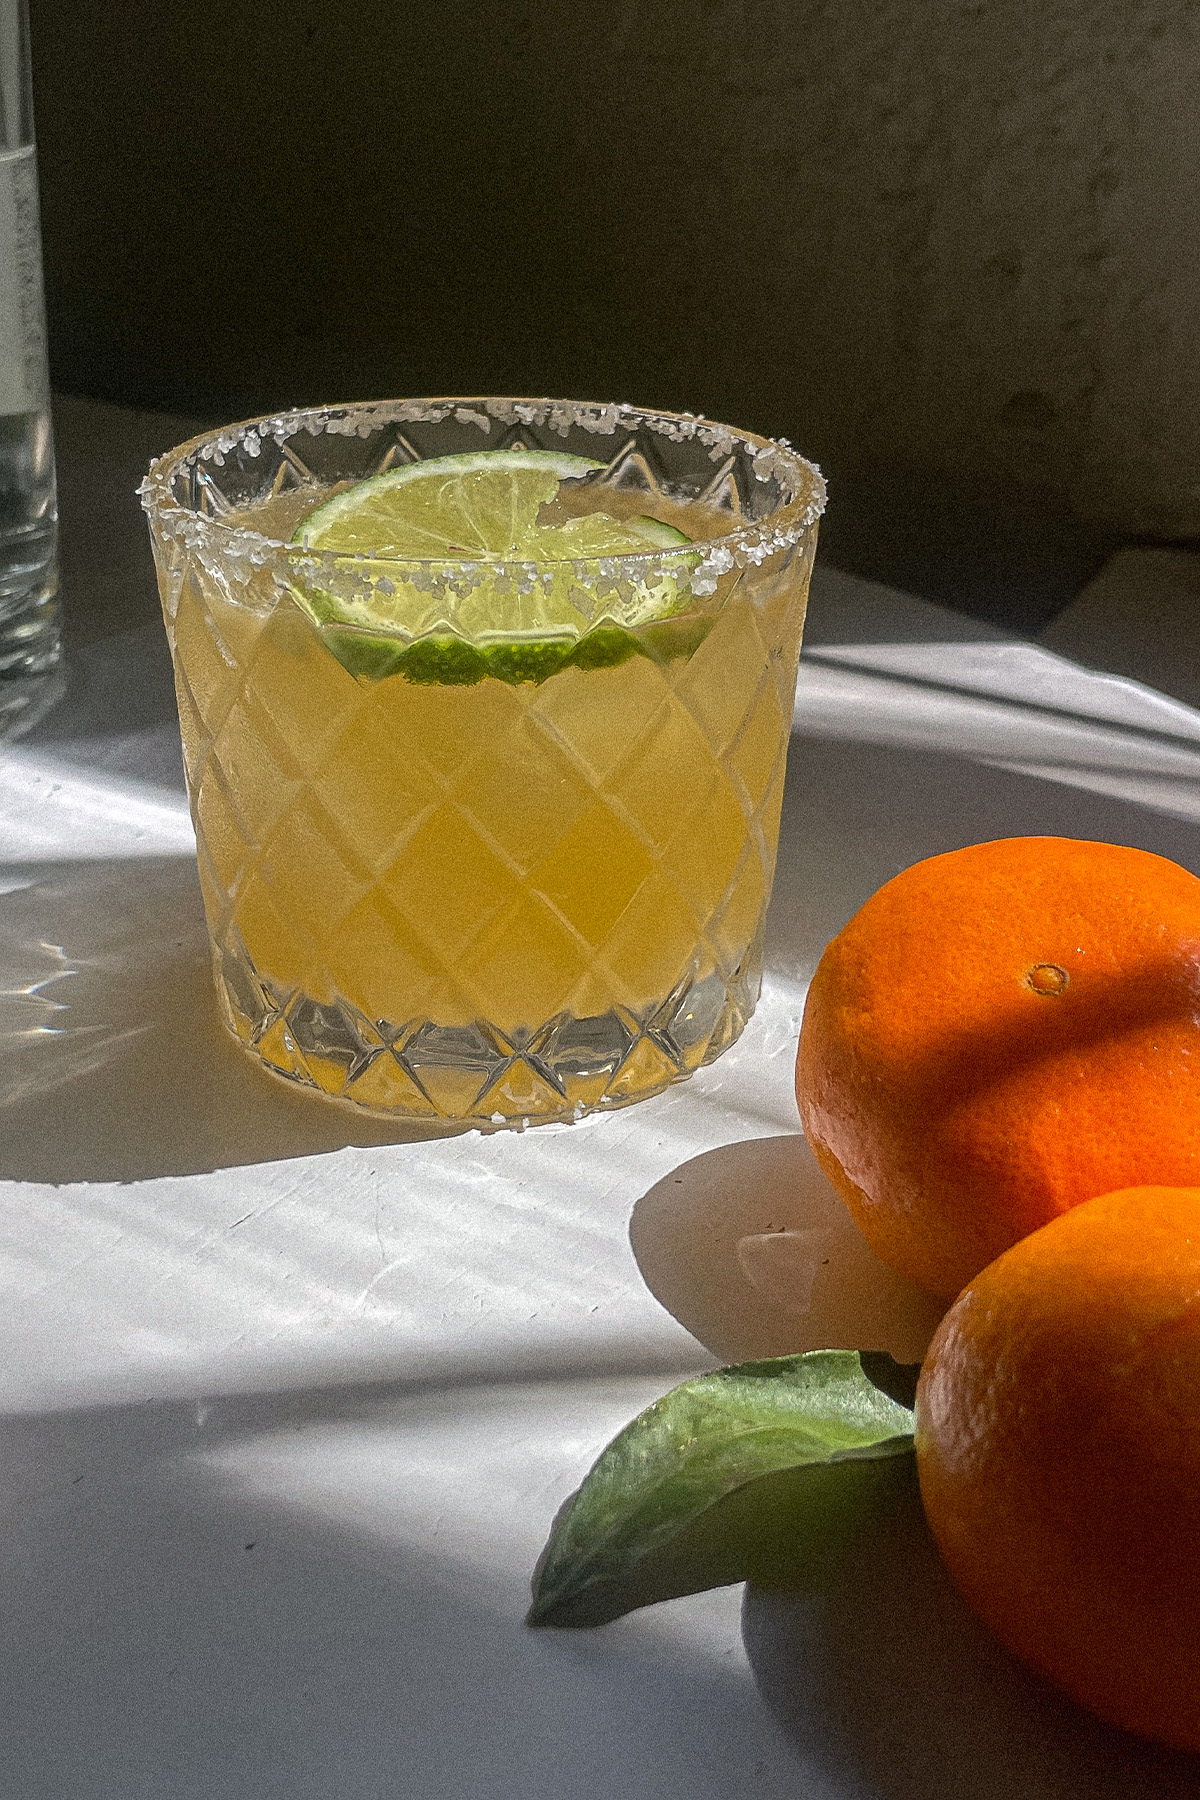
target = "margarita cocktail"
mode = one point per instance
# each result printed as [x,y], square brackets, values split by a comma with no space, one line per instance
[485,708]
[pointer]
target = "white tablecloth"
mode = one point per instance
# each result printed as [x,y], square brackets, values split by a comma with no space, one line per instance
[288,1405]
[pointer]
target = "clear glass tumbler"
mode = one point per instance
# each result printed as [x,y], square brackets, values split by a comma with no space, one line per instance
[448,883]
[29,618]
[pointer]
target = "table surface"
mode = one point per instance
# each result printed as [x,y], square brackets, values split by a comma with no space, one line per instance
[289,1402]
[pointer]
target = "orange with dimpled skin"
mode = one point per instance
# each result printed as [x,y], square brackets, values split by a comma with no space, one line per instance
[998,1034]
[1058,1448]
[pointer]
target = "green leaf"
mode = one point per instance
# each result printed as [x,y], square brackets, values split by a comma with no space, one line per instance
[754,1471]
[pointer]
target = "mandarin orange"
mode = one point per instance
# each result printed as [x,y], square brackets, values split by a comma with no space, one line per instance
[1058,1449]
[998,1034]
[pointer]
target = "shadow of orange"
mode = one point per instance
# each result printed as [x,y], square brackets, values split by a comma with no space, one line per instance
[889,1686]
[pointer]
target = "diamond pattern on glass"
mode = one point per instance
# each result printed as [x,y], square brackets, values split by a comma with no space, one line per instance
[634,466]
[490,902]
[522,817]
[577,713]
[724,490]
[522,874]
[395,453]
[720,681]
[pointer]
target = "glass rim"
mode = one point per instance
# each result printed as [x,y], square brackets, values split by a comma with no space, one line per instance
[748,545]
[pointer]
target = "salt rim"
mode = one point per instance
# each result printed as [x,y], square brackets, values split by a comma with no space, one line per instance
[750,546]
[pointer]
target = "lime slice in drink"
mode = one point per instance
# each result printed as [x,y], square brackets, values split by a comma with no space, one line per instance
[483,508]
[453,507]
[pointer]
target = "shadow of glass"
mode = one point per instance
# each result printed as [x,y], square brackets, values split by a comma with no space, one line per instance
[889,1686]
[115,1066]
[751,1250]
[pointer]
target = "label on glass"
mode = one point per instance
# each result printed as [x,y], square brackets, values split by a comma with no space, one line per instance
[23,381]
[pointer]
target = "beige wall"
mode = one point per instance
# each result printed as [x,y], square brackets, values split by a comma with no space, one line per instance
[961,240]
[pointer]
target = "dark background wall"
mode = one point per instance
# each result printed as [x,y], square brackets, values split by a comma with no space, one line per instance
[947,247]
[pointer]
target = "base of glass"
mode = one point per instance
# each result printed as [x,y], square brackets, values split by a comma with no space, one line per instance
[30,636]
[478,1074]
[26,699]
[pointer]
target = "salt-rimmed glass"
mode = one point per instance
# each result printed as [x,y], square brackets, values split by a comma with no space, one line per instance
[534,888]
